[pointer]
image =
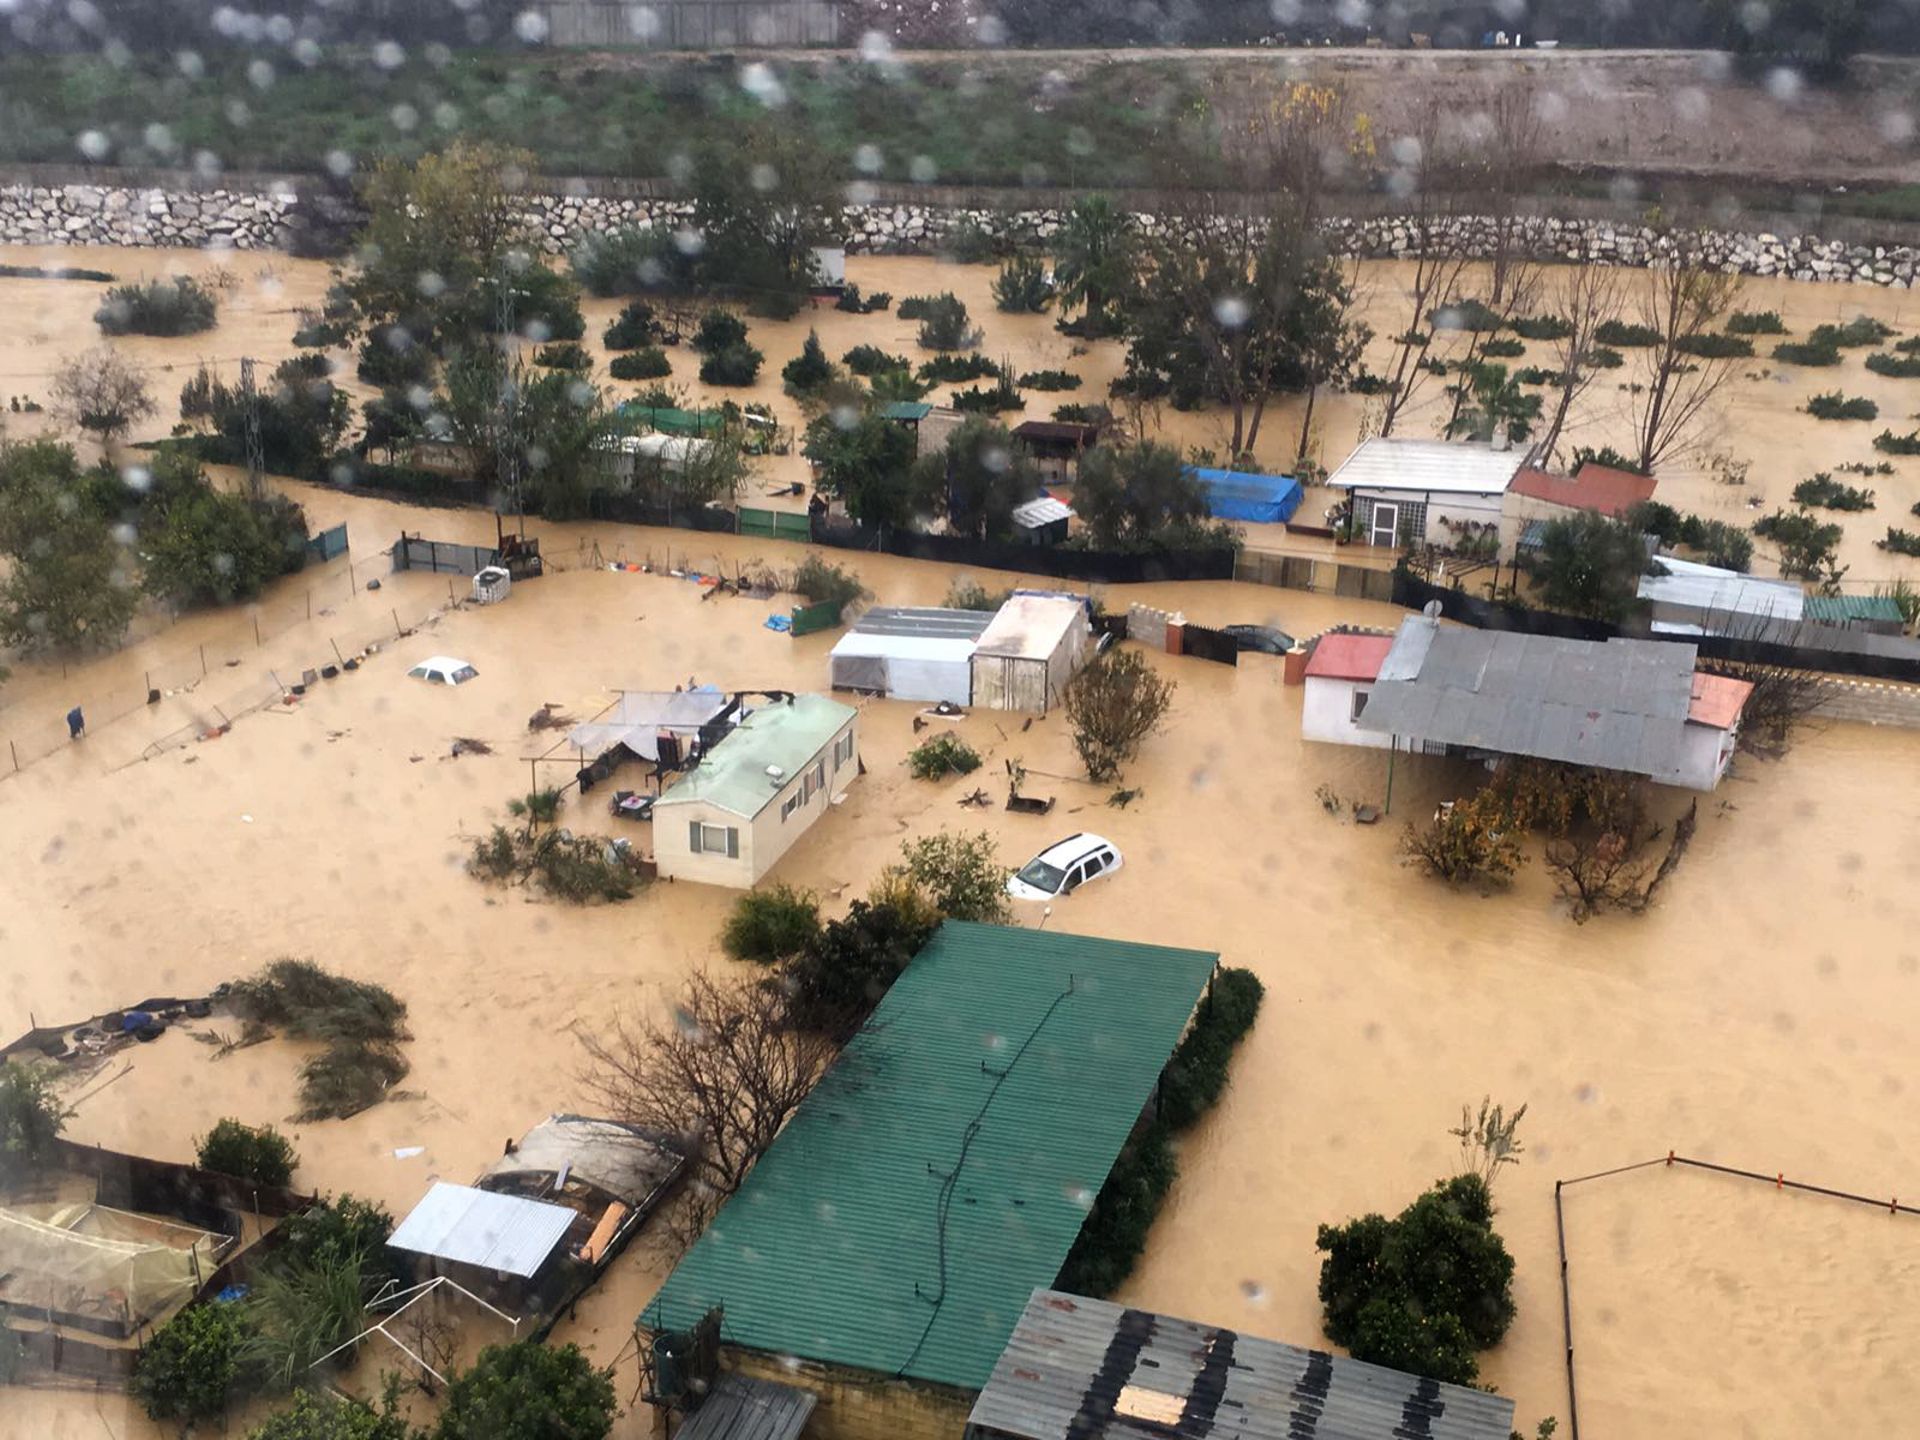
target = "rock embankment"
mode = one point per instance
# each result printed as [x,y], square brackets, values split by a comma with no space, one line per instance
[241,220]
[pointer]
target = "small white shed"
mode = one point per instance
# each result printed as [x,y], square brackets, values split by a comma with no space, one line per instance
[1425,492]
[910,654]
[1033,646]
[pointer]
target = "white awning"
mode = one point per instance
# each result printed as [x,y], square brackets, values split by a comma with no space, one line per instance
[504,1233]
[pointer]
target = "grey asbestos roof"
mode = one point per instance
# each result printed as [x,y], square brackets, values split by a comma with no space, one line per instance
[743,1408]
[1079,1369]
[1618,705]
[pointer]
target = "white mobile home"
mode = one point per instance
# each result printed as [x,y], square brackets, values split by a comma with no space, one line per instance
[1425,492]
[1025,657]
[910,654]
[755,793]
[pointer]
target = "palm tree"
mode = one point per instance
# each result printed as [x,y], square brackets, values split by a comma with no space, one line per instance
[1093,258]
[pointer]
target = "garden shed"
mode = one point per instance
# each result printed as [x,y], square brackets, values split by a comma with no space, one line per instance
[910,654]
[1029,652]
[1258,499]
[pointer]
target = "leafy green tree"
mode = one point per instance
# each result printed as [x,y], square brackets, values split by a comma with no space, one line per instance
[260,1154]
[314,1416]
[528,1391]
[1093,260]
[837,978]
[1494,402]
[1424,1291]
[190,1367]
[1114,704]
[440,230]
[982,476]
[961,874]
[867,463]
[211,547]
[31,1117]
[1591,565]
[1142,497]
[762,201]
[549,426]
[69,583]
[1807,544]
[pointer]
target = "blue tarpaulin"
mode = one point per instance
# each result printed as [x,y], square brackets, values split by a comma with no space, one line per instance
[1232,495]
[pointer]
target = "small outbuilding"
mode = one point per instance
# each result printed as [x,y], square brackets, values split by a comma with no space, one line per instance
[1424,492]
[1339,678]
[755,793]
[1257,499]
[1044,521]
[1030,650]
[1876,614]
[1689,598]
[910,654]
[1081,1369]
[1056,445]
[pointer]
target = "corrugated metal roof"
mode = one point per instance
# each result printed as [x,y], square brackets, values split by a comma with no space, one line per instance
[1031,626]
[1455,467]
[1838,609]
[928,622]
[740,1407]
[1709,591]
[477,1227]
[1044,511]
[912,410]
[1092,1370]
[1618,705]
[733,774]
[944,1166]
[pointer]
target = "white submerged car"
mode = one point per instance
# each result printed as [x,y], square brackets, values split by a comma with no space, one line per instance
[1063,868]
[443,670]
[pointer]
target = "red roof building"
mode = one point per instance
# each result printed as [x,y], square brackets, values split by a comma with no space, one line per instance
[1594,487]
[1349,657]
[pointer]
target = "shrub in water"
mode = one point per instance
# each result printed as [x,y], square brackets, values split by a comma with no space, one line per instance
[1023,288]
[989,400]
[567,355]
[1809,352]
[810,369]
[943,755]
[1901,367]
[944,325]
[772,925]
[1466,315]
[1603,358]
[180,306]
[735,365]
[1501,349]
[1050,380]
[650,363]
[1755,322]
[634,327]
[190,1366]
[820,581]
[1891,444]
[1536,375]
[1900,542]
[1860,331]
[1623,335]
[1197,1073]
[1714,347]
[1540,327]
[1836,406]
[865,360]
[1827,493]
[262,1155]
[956,369]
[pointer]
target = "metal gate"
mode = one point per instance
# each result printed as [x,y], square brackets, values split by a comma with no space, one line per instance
[1205,644]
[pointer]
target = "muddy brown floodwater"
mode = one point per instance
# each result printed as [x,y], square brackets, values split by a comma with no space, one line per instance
[1762,1015]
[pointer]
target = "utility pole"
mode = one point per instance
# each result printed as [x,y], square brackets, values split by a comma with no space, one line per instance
[506,449]
[256,455]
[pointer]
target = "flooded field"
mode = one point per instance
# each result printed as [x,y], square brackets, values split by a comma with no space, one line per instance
[1760,1015]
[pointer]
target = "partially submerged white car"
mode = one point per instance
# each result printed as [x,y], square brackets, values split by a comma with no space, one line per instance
[443,670]
[1063,868]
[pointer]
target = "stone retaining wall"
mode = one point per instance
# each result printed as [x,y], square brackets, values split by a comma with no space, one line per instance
[252,220]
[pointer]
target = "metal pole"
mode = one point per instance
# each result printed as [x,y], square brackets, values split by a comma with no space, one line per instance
[1393,748]
[256,631]
[396,624]
[309,604]
[1566,1314]
[203,662]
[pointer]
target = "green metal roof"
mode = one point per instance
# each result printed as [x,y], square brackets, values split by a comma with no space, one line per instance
[906,410]
[942,1169]
[1838,609]
[733,774]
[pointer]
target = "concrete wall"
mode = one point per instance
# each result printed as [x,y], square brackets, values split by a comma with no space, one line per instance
[1706,752]
[689,24]
[1326,713]
[1149,626]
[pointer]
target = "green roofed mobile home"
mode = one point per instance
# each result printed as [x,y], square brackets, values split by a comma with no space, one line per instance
[941,1170]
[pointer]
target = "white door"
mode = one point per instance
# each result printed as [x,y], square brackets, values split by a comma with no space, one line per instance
[1384,528]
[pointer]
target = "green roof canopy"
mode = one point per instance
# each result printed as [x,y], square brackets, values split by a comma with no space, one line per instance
[787,734]
[1838,609]
[674,422]
[910,410]
[943,1168]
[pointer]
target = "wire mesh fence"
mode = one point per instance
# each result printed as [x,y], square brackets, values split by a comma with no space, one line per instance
[214,679]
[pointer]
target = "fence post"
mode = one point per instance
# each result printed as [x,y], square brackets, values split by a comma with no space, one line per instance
[203,662]
[14,750]
[396,624]
[353,582]
[309,603]
[256,631]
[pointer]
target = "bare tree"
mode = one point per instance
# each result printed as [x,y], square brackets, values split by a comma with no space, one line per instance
[1510,142]
[1297,138]
[1432,179]
[1585,297]
[1681,303]
[724,1072]
[101,391]
[1782,702]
